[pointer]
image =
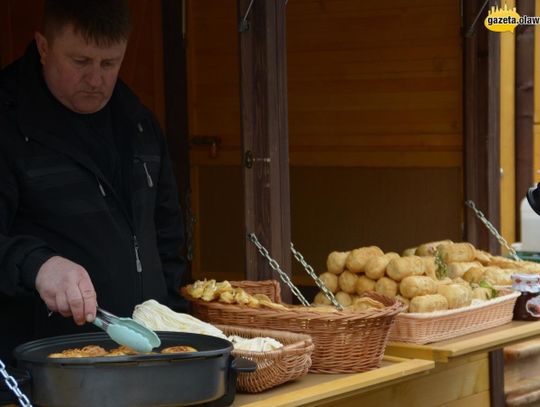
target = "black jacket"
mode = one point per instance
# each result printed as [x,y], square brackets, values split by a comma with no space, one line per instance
[55,200]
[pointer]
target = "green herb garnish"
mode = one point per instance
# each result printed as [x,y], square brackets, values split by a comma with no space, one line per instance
[493,292]
[442,268]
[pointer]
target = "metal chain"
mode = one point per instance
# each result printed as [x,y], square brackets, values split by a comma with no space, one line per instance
[12,385]
[275,266]
[493,230]
[298,256]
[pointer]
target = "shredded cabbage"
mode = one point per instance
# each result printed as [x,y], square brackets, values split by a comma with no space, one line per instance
[159,317]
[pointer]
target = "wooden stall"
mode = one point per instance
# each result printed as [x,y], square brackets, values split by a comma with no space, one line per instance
[377,151]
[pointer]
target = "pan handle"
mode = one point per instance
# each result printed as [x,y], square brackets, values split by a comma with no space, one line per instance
[243,365]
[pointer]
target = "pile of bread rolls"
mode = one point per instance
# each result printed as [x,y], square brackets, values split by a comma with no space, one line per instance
[431,277]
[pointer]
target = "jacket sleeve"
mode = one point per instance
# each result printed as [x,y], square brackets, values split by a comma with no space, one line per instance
[20,256]
[170,229]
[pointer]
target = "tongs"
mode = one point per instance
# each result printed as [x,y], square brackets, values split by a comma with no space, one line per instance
[127,332]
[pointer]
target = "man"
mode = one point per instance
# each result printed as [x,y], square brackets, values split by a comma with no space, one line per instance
[89,211]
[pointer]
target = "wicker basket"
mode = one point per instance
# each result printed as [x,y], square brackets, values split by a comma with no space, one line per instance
[273,367]
[344,342]
[437,326]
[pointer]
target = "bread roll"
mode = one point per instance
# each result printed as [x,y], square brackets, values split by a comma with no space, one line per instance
[428,303]
[403,300]
[430,266]
[347,282]
[409,252]
[457,252]
[330,281]
[320,308]
[386,286]
[497,276]
[428,249]
[320,299]
[459,280]
[445,280]
[376,266]
[414,286]
[457,295]
[403,267]
[392,255]
[335,263]
[481,293]
[530,267]
[483,257]
[458,269]
[364,303]
[474,274]
[356,260]
[505,263]
[364,284]
[343,298]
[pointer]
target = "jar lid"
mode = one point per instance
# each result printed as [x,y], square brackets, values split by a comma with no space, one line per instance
[526,282]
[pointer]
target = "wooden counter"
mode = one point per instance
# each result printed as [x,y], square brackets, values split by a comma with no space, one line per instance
[460,372]
[480,352]
[332,389]
[483,341]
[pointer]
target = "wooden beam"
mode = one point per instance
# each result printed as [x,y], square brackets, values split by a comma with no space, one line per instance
[496,378]
[482,125]
[263,83]
[524,37]
[176,111]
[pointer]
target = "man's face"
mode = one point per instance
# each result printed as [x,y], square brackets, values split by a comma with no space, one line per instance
[80,75]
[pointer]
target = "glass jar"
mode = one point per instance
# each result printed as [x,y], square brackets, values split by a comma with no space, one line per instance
[527,306]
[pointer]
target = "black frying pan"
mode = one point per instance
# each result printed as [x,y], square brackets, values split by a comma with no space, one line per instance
[130,381]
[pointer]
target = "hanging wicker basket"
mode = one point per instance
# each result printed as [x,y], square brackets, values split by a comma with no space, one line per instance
[345,342]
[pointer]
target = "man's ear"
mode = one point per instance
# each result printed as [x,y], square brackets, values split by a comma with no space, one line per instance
[42,46]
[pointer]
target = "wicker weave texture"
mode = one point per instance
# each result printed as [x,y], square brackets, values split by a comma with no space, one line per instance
[421,330]
[344,342]
[273,367]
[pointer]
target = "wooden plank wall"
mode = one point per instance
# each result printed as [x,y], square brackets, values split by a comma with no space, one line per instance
[375,124]
[143,63]
[18,21]
[381,77]
[385,76]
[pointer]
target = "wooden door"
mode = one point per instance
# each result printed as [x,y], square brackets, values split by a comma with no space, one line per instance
[143,64]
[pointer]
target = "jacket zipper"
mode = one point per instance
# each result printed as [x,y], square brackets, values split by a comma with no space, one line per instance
[149,180]
[137,259]
[148,177]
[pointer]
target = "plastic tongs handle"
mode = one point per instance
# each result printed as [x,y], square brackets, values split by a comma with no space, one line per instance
[102,319]
[106,316]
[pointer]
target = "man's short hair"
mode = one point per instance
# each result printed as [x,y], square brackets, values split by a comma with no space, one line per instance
[102,22]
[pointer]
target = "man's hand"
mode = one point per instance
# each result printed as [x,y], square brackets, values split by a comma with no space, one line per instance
[66,288]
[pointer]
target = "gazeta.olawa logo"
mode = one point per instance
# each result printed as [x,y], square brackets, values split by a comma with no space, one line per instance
[505,19]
